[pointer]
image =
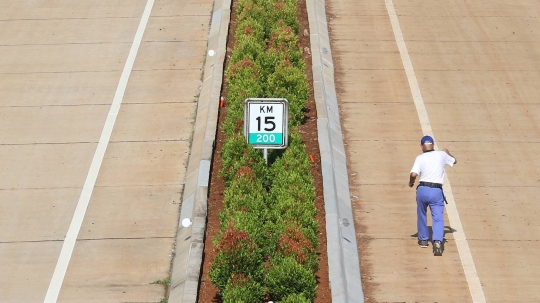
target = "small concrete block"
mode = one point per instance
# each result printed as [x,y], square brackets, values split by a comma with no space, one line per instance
[335,264]
[312,17]
[204,173]
[318,91]
[213,44]
[315,50]
[213,110]
[317,74]
[342,188]
[330,202]
[208,72]
[327,58]
[202,114]
[207,78]
[214,95]
[329,89]
[227,4]
[194,157]
[222,42]
[323,135]
[348,235]
[323,32]
[340,161]
[199,131]
[336,140]
[197,230]
[204,97]
[334,250]
[187,207]
[191,184]
[195,262]
[207,149]
[320,10]
[353,280]
[176,293]
[328,78]
[321,109]
[333,112]
[313,26]
[218,75]
[190,292]
[218,4]
[216,21]
[178,276]
[201,202]
[335,123]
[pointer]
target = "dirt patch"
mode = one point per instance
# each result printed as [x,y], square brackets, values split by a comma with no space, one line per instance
[207,291]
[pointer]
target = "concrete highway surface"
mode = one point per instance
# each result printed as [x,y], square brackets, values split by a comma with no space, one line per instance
[468,71]
[62,64]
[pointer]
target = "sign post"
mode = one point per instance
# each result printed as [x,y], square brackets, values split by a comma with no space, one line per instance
[266,123]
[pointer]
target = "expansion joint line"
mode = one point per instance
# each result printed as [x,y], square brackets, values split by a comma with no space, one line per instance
[475,287]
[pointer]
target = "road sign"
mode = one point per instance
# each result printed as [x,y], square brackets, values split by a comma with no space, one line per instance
[265,122]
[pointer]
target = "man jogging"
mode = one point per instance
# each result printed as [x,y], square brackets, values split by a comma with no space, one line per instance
[430,167]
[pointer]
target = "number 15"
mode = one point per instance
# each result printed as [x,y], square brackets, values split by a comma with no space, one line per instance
[267,120]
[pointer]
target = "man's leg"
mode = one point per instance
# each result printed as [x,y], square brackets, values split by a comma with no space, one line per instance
[437,215]
[421,209]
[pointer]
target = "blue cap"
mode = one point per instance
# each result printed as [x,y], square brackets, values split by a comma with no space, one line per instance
[426,140]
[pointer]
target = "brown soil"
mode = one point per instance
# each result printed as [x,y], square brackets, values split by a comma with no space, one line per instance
[207,291]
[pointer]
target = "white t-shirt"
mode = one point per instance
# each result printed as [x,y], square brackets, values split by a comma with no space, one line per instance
[430,166]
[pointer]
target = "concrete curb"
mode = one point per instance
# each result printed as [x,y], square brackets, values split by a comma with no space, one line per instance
[187,262]
[343,260]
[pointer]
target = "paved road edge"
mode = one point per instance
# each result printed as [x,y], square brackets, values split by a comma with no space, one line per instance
[343,259]
[187,262]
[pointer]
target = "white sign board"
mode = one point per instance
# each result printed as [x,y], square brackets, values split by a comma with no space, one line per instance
[265,122]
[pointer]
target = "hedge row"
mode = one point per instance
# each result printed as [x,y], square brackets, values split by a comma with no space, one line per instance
[267,244]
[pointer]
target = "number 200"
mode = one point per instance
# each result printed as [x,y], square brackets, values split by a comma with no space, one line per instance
[265,138]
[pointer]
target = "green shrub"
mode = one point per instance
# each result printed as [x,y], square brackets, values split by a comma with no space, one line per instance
[295,298]
[255,9]
[290,82]
[283,13]
[286,277]
[260,231]
[237,154]
[243,80]
[237,254]
[286,40]
[294,243]
[248,47]
[288,210]
[250,27]
[241,289]
[245,193]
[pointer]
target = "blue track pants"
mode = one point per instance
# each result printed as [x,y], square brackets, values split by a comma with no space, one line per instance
[432,197]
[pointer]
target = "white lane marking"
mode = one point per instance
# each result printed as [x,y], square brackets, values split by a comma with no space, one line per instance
[475,287]
[71,237]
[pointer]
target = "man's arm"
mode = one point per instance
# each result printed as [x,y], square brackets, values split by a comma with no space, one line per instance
[412,178]
[446,151]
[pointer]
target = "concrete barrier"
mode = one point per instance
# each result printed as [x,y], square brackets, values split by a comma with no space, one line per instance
[187,262]
[343,260]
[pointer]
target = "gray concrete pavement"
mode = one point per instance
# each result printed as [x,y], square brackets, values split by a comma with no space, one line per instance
[477,69]
[59,69]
